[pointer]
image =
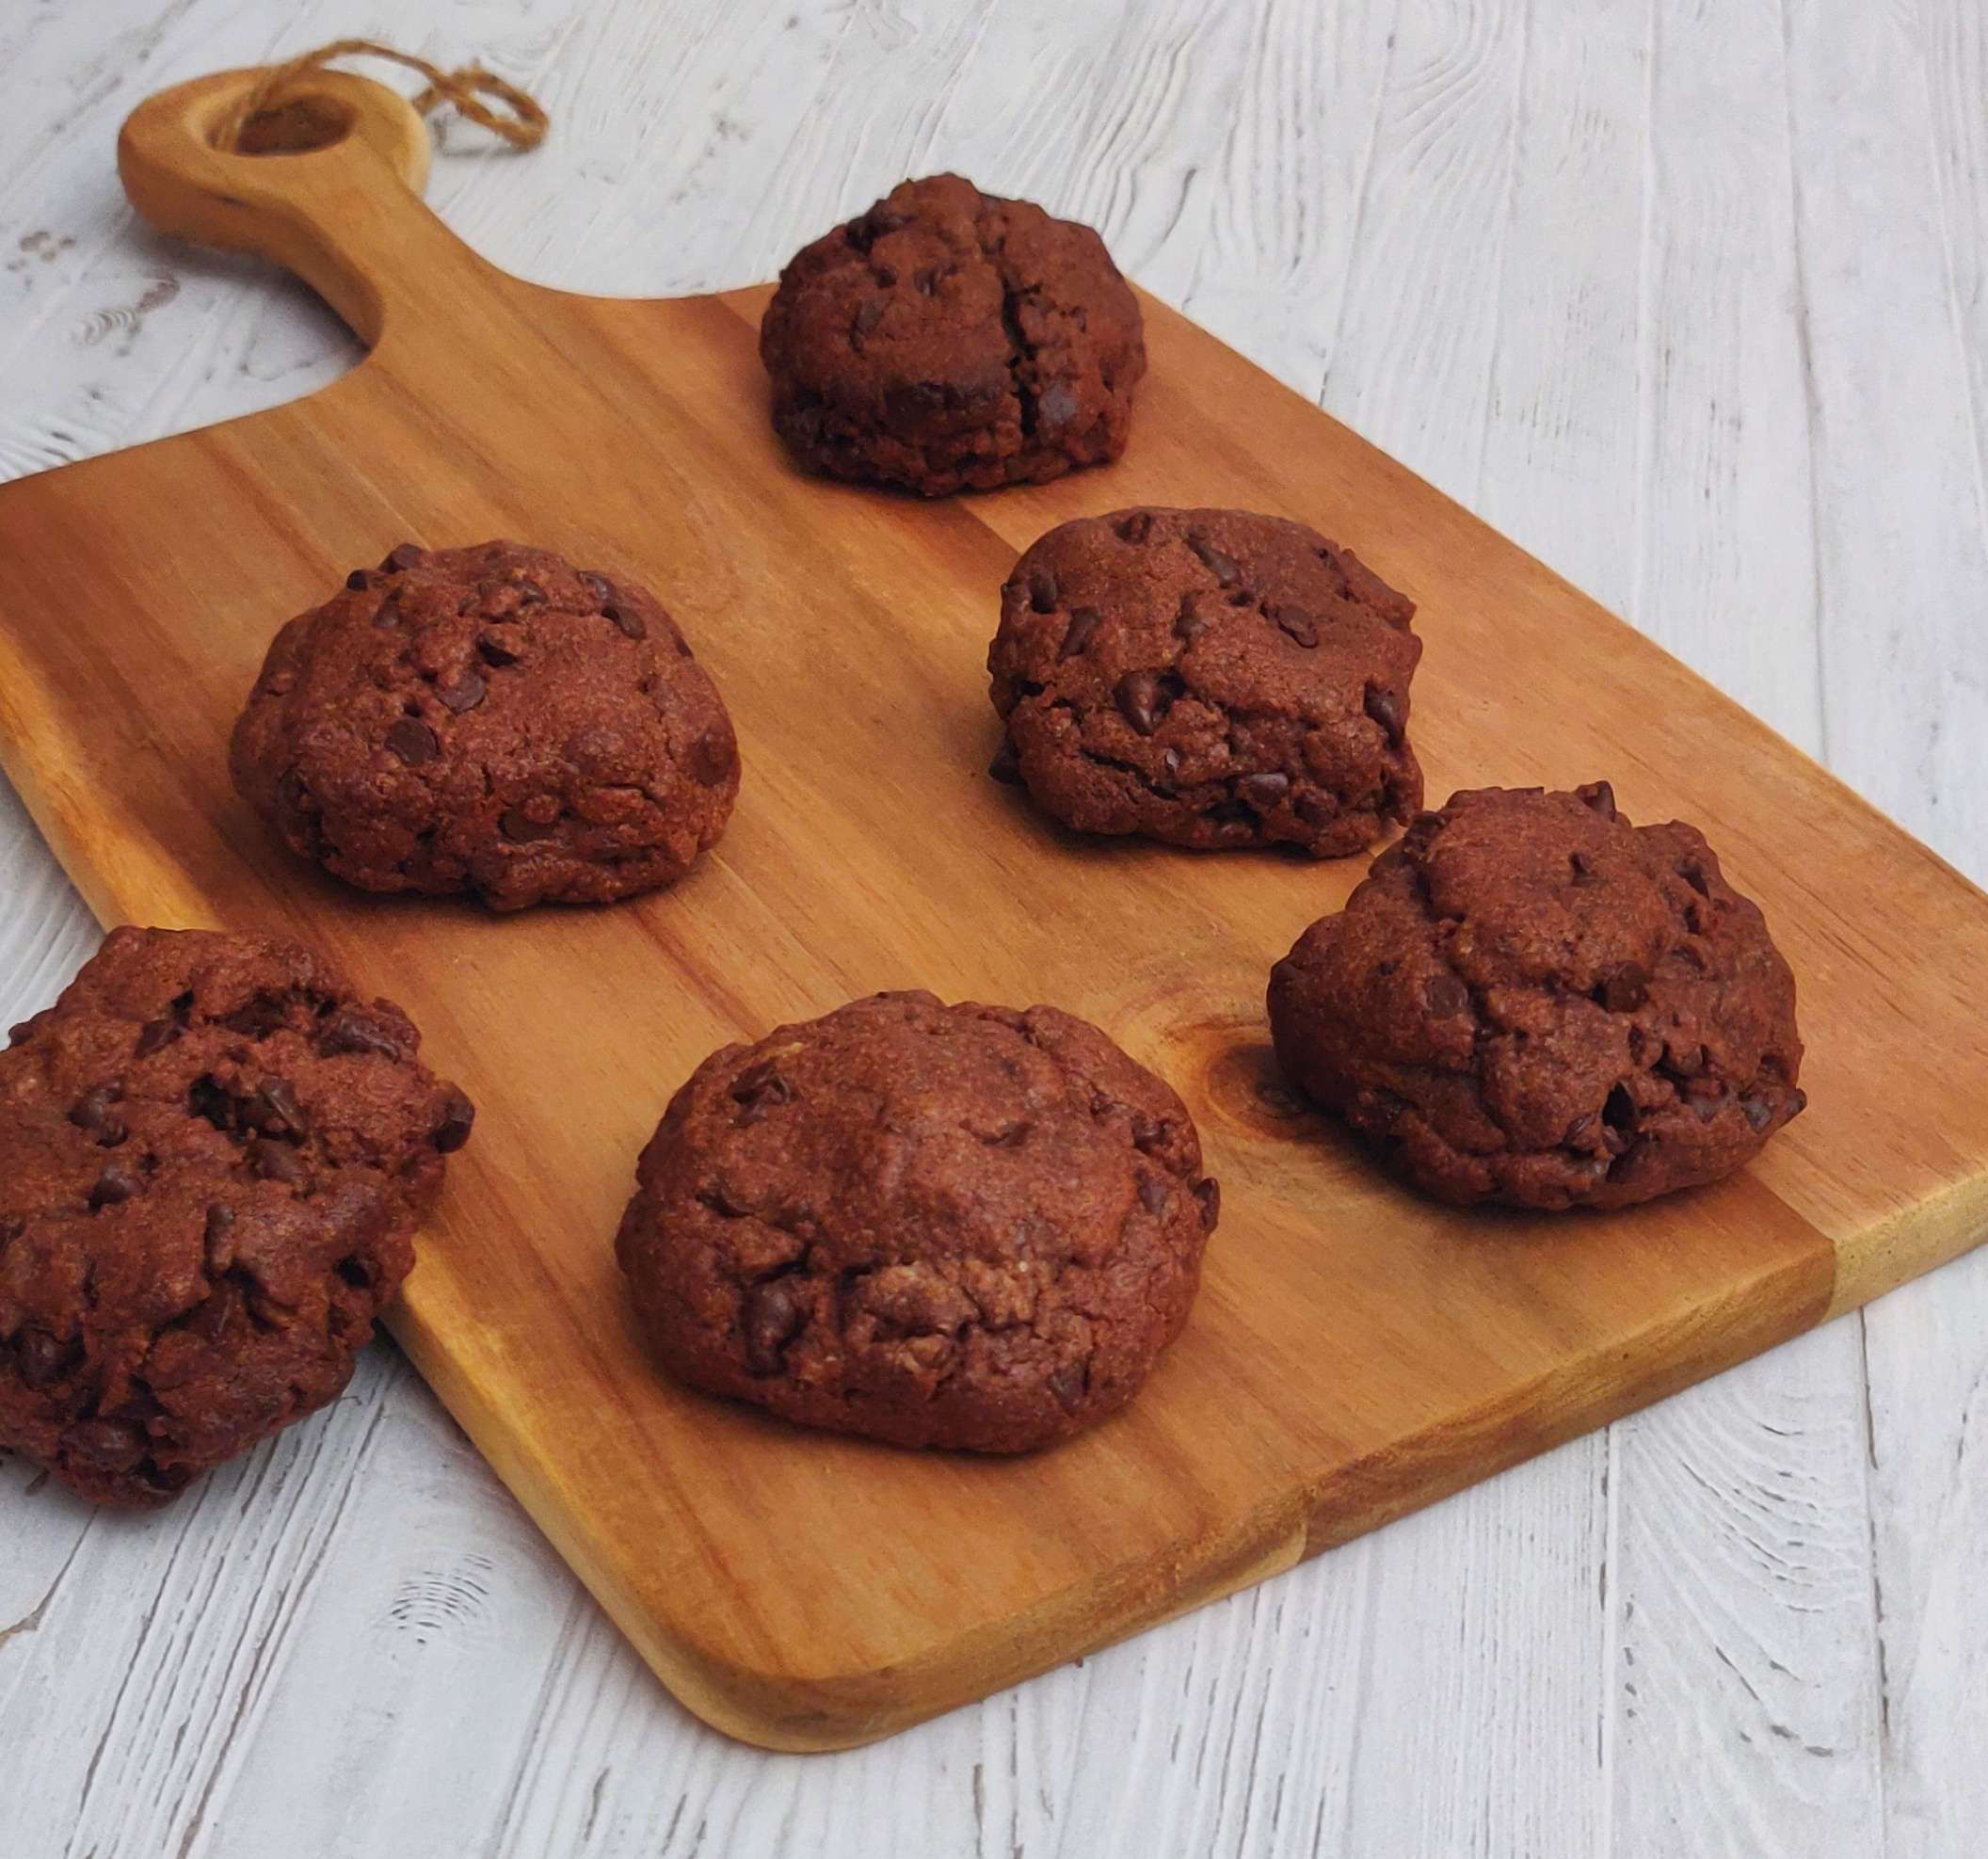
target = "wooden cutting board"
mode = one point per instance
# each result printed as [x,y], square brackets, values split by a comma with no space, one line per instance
[1356,1352]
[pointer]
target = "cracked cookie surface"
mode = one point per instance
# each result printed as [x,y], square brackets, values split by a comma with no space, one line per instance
[1208,678]
[951,339]
[1530,1001]
[213,1154]
[489,720]
[939,1226]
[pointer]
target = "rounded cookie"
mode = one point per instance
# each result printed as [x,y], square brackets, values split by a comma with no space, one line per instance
[949,340]
[489,720]
[213,1153]
[1530,1001]
[1208,678]
[939,1226]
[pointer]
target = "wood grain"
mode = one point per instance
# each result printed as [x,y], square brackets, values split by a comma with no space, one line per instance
[1466,1358]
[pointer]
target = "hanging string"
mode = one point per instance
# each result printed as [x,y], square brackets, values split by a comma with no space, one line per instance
[522,123]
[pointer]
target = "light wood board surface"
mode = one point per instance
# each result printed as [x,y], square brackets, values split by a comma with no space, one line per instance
[1638,353]
[1356,1352]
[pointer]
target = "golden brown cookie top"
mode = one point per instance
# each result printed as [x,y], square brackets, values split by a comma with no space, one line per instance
[952,1226]
[948,339]
[490,720]
[1529,1000]
[1210,678]
[212,1151]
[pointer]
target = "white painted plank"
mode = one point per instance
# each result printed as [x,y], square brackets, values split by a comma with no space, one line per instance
[1887,118]
[1743,1714]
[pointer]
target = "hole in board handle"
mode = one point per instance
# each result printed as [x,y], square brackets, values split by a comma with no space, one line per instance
[296,127]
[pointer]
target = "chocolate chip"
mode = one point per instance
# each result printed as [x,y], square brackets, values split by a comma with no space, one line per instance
[1570,1137]
[107,1446]
[1693,871]
[1190,623]
[1149,1134]
[388,611]
[350,1030]
[117,1184]
[259,1017]
[1134,528]
[1219,564]
[413,741]
[772,1317]
[1169,771]
[864,233]
[1057,407]
[1006,766]
[360,578]
[276,1161]
[93,1111]
[1208,1191]
[156,1035]
[1042,590]
[1137,696]
[519,826]
[598,585]
[869,314]
[1627,988]
[1152,1193]
[1230,814]
[529,593]
[1385,710]
[760,1089]
[1600,796]
[1619,1111]
[1584,868]
[625,617]
[1298,625]
[42,1360]
[403,555]
[1446,994]
[1264,792]
[1317,809]
[466,693]
[494,651]
[274,1109]
[458,1116]
[1760,1112]
[886,275]
[1067,1384]
[1077,635]
[713,757]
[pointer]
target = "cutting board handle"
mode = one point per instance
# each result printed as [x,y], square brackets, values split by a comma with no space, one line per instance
[336,197]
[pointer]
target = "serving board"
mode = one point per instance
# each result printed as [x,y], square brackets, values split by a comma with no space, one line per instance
[1356,1352]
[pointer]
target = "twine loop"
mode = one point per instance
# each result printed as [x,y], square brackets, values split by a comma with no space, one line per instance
[522,123]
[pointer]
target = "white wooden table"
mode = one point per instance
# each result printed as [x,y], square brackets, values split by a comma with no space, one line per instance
[1691,300]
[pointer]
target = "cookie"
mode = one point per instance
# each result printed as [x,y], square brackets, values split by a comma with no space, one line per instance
[1530,1001]
[489,720]
[1208,678]
[937,1226]
[213,1153]
[949,339]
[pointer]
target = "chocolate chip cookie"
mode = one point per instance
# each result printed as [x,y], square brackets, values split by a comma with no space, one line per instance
[1208,678]
[949,339]
[213,1153]
[1530,1001]
[939,1226]
[489,720]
